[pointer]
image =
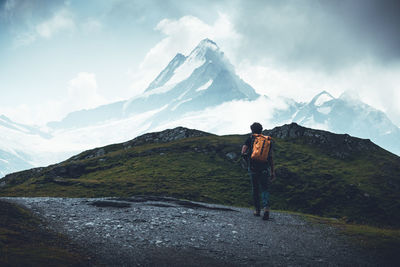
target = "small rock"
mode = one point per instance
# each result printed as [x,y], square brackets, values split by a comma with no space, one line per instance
[100,152]
[231,155]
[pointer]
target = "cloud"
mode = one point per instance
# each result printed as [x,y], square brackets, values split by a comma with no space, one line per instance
[82,92]
[24,39]
[374,84]
[181,36]
[323,35]
[61,21]
[91,25]
[28,24]
[218,120]
[281,54]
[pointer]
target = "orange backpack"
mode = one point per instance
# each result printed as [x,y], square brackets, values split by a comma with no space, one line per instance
[261,146]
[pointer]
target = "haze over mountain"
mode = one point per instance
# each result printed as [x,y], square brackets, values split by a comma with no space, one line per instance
[347,114]
[189,90]
[204,78]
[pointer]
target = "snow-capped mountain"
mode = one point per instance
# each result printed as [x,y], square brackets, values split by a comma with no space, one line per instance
[191,83]
[23,146]
[200,90]
[347,114]
[13,153]
[204,78]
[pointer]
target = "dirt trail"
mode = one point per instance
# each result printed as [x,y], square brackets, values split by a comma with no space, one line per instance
[167,231]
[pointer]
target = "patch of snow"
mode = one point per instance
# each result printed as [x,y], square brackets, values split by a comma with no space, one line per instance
[161,77]
[185,70]
[183,94]
[324,110]
[158,90]
[295,114]
[3,160]
[323,98]
[180,103]
[205,86]
[311,123]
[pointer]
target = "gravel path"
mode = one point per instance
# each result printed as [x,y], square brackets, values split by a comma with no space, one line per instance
[166,231]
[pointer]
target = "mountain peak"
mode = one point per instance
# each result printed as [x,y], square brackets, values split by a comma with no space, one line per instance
[321,98]
[206,49]
[208,43]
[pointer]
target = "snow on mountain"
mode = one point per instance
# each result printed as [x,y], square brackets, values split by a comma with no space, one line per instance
[205,86]
[347,114]
[191,83]
[7,123]
[14,143]
[200,90]
[23,147]
[203,79]
[321,98]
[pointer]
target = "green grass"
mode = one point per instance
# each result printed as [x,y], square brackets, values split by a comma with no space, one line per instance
[362,188]
[24,243]
[382,242]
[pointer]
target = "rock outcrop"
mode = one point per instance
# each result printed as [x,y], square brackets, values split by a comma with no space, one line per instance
[338,145]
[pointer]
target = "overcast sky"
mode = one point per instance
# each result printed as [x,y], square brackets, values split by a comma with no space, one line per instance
[60,56]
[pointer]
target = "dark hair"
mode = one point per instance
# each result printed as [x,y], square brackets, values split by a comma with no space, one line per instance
[256,128]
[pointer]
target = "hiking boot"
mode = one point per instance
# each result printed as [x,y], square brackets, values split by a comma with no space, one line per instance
[257,213]
[266,215]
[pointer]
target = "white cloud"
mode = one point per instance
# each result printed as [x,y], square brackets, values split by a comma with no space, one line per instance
[82,92]
[91,25]
[219,119]
[376,86]
[24,39]
[62,20]
[182,36]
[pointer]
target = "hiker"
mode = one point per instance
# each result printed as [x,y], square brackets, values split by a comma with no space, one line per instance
[257,150]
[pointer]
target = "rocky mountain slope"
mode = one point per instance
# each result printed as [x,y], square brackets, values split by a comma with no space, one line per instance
[318,172]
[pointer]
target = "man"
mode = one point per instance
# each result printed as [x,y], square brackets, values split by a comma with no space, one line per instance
[261,172]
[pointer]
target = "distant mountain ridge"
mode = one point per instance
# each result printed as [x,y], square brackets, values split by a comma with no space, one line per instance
[205,78]
[186,92]
[13,155]
[347,114]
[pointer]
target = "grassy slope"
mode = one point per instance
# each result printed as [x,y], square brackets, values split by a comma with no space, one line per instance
[362,188]
[384,243]
[24,243]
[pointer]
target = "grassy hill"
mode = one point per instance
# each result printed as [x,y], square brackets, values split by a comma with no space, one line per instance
[24,242]
[318,172]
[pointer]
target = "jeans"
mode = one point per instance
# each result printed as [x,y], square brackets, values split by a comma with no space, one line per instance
[260,180]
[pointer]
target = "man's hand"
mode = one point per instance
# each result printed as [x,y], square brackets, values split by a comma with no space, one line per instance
[244,149]
[273,176]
